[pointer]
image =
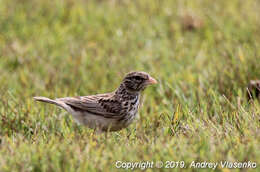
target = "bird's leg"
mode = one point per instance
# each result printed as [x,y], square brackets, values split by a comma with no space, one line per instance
[97,131]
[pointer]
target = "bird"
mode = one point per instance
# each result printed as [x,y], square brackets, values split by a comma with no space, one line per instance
[109,111]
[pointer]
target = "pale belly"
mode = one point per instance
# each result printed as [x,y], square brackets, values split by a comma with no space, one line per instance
[101,123]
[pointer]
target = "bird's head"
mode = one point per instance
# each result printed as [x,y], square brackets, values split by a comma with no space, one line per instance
[137,81]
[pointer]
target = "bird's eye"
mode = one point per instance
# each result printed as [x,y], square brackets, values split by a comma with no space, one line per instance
[138,78]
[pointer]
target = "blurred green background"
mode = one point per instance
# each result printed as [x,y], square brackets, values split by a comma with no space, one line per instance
[203,53]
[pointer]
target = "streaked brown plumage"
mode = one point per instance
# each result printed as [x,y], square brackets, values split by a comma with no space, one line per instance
[107,112]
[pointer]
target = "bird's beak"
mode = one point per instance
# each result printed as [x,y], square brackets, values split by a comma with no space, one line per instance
[151,80]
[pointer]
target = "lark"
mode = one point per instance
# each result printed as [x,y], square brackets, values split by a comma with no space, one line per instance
[110,111]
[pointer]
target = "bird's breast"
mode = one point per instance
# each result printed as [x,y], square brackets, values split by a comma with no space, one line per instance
[132,105]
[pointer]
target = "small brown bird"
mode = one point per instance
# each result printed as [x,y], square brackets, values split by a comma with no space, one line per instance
[107,112]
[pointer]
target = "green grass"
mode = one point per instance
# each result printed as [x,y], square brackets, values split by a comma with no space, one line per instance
[197,112]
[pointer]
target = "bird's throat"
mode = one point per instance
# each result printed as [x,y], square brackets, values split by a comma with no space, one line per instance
[125,93]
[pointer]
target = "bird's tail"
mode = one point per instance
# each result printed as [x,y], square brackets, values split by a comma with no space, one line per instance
[56,102]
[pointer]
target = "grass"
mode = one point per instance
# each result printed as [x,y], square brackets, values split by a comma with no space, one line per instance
[197,112]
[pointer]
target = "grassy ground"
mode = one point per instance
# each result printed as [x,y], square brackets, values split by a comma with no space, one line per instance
[197,112]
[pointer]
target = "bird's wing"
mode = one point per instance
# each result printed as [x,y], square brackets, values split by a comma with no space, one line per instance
[102,105]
